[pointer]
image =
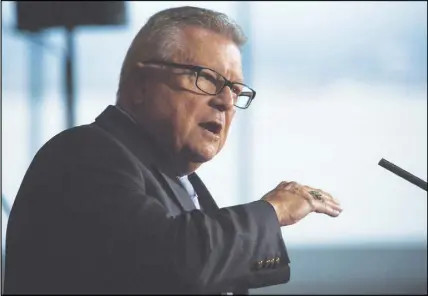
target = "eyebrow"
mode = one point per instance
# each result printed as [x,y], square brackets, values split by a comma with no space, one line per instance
[192,61]
[239,77]
[239,80]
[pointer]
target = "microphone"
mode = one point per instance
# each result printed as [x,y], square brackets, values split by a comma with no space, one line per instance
[403,174]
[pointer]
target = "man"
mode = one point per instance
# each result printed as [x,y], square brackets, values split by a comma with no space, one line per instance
[115,207]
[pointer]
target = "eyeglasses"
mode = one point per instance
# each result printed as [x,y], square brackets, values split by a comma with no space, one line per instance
[212,83]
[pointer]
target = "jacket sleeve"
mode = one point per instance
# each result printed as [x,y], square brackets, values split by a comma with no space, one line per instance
[238,246]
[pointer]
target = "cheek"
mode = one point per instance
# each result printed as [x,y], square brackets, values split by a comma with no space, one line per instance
[229,119]
[224,138]
[162,106]
[184,119]
[161,114]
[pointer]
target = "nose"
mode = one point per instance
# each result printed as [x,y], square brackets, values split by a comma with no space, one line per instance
[224,100]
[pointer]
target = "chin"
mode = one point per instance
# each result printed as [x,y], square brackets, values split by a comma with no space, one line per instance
[202,157]
[205,154]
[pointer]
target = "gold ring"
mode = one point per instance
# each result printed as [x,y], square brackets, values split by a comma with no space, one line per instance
[316,195]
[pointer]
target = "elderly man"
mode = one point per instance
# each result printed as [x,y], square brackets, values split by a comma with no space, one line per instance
[116,206]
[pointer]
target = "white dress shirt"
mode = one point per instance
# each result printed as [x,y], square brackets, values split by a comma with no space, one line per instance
[190,190]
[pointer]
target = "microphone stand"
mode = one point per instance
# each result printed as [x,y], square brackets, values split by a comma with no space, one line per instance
[403,174]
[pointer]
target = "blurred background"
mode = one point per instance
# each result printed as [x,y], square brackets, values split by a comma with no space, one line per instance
[340,85]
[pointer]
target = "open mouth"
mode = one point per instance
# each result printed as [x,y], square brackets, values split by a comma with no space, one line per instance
[212,127]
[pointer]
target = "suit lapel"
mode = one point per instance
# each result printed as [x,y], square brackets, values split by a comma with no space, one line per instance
[134,138]
[206,201]
[177,192]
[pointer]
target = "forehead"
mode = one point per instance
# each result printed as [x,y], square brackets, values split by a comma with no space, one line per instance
[207,48]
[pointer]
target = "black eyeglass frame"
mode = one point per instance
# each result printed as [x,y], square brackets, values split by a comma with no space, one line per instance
[198,70]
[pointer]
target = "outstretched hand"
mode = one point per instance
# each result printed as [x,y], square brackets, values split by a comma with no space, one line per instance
[293,201]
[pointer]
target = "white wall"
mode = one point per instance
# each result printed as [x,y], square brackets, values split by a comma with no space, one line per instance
[339,86]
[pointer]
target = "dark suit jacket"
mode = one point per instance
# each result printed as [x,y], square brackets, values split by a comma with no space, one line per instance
[95,214]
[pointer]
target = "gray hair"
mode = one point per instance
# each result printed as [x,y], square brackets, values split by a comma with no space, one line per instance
[158,38]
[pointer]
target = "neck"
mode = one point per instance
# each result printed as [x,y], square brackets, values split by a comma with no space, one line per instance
[175,165]
[185,168]
[171,163]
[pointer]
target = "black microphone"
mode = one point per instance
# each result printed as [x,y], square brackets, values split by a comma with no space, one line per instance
[403,174]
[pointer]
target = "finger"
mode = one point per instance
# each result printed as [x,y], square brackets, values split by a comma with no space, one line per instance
[331,212]
[315,207]
[330,197]
[328,208]
[326,195]
[333,206]
[323,206]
